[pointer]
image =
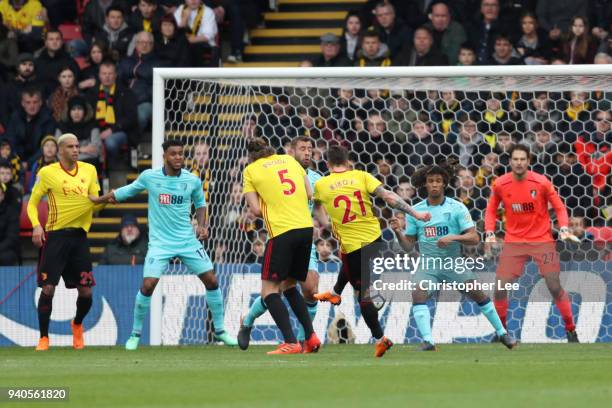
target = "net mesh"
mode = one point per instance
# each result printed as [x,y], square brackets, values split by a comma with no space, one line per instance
[391,126]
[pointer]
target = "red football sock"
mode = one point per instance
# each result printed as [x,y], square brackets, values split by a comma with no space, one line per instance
[565,308]
[502,309]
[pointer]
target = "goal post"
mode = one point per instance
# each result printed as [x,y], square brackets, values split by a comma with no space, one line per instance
[216,106]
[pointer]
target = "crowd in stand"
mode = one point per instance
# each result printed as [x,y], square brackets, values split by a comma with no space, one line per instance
[471,32]
[100,89]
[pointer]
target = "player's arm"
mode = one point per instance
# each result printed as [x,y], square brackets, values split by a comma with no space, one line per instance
[125,192]
[319,213]
[491,215]
[398,226]
[39,190]
[561,212]
[309,192]
[467,237]
[199,201]
[395,201]
[252,199]
[94,190]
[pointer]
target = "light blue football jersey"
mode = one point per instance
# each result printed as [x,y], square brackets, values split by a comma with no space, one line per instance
[170,199]
[450,217]
[313,176]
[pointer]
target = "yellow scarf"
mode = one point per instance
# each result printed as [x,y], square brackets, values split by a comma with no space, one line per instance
[195,27]
[105,113]
[146,25]
[574,112]
[385,63]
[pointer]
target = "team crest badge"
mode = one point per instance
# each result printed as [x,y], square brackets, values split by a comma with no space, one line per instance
[533,193]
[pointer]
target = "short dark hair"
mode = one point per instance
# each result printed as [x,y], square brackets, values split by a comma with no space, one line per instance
[419,178]
[259,148]
[303,139]
[151,2]
[467,46]
[426,29]
[172,142]
[108,63]
[5,164]
[32,91]
[371,33]
[337,155]
[520,147]
[53,30]
[114,8]
[503,37]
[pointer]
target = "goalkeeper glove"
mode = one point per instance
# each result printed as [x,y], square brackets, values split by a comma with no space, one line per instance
[566,235]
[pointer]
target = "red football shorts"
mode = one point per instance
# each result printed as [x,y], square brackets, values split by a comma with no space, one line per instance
[515,255]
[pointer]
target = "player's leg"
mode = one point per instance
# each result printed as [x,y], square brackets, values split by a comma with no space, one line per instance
[422,317]
[156,262]
[334,296]
[214,302]
[51,263]
[510,267]
[309,288]
[300,242]
[275,269]
[79,274]
[488,310]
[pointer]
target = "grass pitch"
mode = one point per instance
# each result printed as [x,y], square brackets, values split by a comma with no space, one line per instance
[559,375]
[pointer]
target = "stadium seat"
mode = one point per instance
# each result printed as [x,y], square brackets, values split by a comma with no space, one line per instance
[25,226]
[71,32]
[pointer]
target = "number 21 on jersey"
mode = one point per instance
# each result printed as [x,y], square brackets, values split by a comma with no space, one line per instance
[348,214]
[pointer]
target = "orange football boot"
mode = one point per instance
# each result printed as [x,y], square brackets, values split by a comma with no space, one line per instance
[287,348]
[328,297]
[43,344]
[382,346]
[313,344]
[77,336]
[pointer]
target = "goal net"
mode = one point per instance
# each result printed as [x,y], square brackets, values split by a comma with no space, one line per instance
[394,120]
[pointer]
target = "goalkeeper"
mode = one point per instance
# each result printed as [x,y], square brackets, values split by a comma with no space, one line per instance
[526,196]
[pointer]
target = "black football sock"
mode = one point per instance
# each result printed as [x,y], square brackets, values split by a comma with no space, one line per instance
[45,304]
[370,315]
[296,301]
[279,313]
[341,282]
[83,305]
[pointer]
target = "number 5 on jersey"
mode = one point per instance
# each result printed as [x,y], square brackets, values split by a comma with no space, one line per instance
[288,181]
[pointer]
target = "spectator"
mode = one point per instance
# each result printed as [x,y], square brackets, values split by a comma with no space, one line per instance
[580,47]
[534,45]
[278,122]
[94,17]
[602,58]
[423,147]
[482,32]
[543,146]
[325,251]
[9,230]
[373,53]
[25,78]
[12,162]
[115,33]
[555,16]
[349,41]
[576,114]
[58,101]
[391,29]
[12,195]
[115,108]
[201,27]
[571,180]
[28,126]
[130,246]
[330,53]
[26,19]
[502,148]
[98,52]
[470,145]
[236,11]
[51,61]
[467,55]
[540,111]
[136,72]
[377,139]
[146,17]
[79,120]
[445,114]
[470,195]
[594,149]
[171,46]
[8,50]
[423,53]
[405,190]
[488,171]
[258,248]
[384,170]
[448,35]
[503,54]
[493,118]
[200,166]
[48,148]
